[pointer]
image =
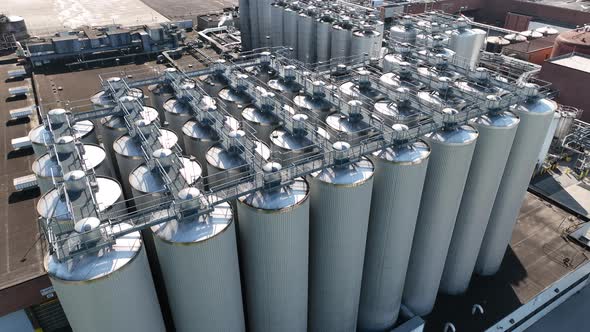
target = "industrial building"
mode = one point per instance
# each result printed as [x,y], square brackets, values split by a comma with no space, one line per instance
[346,177]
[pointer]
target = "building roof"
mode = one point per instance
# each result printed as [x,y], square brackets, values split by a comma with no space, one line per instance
[531,46]
[576,61]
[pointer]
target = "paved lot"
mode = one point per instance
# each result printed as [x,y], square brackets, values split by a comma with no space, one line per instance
[177,9]
[47,16]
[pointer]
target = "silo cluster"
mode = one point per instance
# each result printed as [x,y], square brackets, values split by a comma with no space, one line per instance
[315,31]
[256,236]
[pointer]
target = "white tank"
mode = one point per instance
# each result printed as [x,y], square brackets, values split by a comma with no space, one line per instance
[159,94]
[339,216]
[277,10]
[535,118]
[399,175]
[323,37]
[41,137]
[306,26]
[452,150]
[348,127]
[263,121]
[262,73]
[315,106]
[404,32]
[147,185]
[113,127]
[466,43]
[109,197]
[288,147]
[264,22]
[496,134]
[46,167]
[224,166]
[290,18]
[114,282]
[234,101]
[129,155]
[341,39]
[565,124]
[254,22]
[104,99]
[398,111]
[366,41]
[200,136]
[198,257]
[287,86]
[361,87]
[245,31]
[548,139]
[274,248]
[213,83]
[178,113]
[530,35]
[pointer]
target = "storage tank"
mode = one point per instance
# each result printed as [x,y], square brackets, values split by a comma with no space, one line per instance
[113,282]
[245,30]
[53,204]
[41,137]
[572,41]
[306,32]
[263,72]
[400,171]
[113,127]
[323,37]
[227,165]
[341,38]
[147,184]
[514,38]
[104,99]
[401,78]
[253,17]
[47,169]
[466,43]
[274,248]
[159,93]
[530,35]
[129,153]
[496,44]
[198,257]
[404,32]
[215,82]
[547,31]
[565,124]
[366,41]
[315,106]
[535,115]
[263,120]
[452,150]
[287,85]
[548,139]
[340,201]
[287,147]
[264,22]
[290,17]
[235,99]
[496,134]
[362,87]
[14,25]
[349,127]
[277,11]
[178,112]
[396,111]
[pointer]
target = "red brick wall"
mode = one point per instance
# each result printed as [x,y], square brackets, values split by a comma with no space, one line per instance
[569,82]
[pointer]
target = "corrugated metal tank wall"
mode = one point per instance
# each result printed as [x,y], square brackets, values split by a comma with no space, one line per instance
[452,150]
[399,177]
[535,118]
[245,31]
[496,134]
[199,262]
[339,217]
[276,34]
[274,244]
[123,299]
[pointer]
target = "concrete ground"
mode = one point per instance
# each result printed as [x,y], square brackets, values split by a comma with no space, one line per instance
[184,9]
[48,16]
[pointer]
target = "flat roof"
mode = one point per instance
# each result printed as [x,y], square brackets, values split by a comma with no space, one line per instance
[573,61]
[539,255]
[532,45]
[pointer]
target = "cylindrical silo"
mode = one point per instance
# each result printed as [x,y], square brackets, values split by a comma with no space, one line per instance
[147,184]
[245,29]
[235,99]
[113,127]
[496,44]
[548,139]
[47,170]
[178,113]
[290,18]
[287,147]
[254,19]
[264,121]
[530,34]
[213,83]
[399,176]
[277,11]
[341,36]
[496,134]
[535,117]
[198,257]
[340,201]
[306,26]
[159,94]
[361,87]
[104,99]
[323,37]
[452,150]
[286,86]
[130,154]
[53,204]
[227,165]
[404,32]
[264,22]
[110,289]
[349,127]
[366,41]
[315,105]
[514,38]
[41,136]
[274,248]
[399,110]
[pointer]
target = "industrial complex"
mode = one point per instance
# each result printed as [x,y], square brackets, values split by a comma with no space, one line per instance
[346,165]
